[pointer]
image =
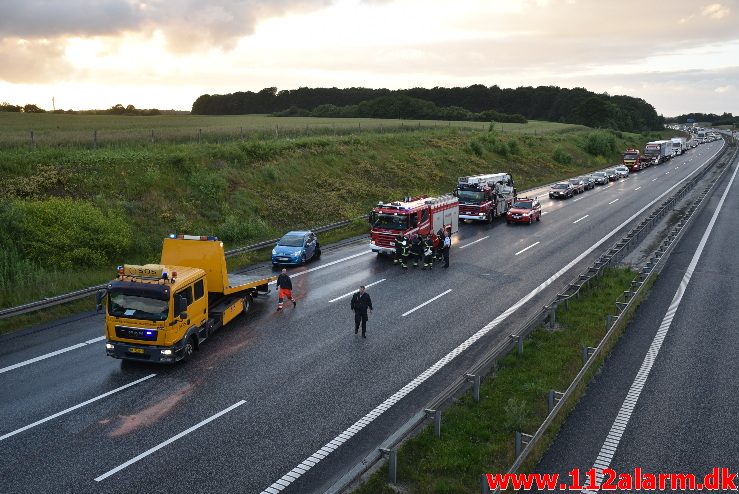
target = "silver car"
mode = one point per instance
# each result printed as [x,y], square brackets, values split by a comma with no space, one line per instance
[622,171]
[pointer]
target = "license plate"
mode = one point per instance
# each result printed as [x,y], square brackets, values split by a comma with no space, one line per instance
[284,259]
[136,350]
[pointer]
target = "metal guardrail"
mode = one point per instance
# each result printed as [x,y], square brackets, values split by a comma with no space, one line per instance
[546,315]
[86,292]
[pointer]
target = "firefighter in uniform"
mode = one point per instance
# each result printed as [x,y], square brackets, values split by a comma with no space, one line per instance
[405,251]
[417,250]
[398,248]
[439,244]
[428,252]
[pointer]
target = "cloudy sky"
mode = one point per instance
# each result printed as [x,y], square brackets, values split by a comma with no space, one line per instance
[679,55]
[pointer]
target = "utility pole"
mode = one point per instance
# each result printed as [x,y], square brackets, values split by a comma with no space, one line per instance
[53,103]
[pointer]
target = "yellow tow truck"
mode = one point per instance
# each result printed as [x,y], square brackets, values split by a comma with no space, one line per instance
[163,312]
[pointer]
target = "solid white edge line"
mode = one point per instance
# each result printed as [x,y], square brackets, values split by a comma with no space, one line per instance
[527,248]
[615,200]
[360,424]
[473,243]
[75,407]
[355,291]
[50,354]
[167,442]
[578,221]
[632,397]
[426,303]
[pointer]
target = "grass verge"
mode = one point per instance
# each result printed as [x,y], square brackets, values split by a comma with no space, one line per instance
[479,437]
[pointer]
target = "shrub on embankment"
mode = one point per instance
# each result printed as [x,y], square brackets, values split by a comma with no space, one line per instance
[86,209]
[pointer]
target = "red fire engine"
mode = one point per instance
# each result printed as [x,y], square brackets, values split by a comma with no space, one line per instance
[485,197]
[421,215]
[634,160]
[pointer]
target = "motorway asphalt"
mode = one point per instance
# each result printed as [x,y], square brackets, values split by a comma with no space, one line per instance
[684,419]
[295,379]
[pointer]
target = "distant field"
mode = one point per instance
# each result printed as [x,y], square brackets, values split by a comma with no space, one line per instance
[48,129]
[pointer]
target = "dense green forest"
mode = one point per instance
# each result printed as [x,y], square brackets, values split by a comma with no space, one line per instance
[711,118]
[552,103]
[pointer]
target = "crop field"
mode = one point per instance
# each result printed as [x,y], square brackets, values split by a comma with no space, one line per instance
[59,130]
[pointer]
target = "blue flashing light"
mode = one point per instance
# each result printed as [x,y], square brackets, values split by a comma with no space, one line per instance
[172,235]
[211,237]
[149,333]
[164,275]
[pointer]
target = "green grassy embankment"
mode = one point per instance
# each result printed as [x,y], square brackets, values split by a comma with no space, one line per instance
[70,214]
[478,438]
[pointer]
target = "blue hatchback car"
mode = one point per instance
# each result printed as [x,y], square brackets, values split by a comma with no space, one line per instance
[296,248]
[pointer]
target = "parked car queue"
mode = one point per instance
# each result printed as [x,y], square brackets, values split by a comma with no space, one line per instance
[578,185]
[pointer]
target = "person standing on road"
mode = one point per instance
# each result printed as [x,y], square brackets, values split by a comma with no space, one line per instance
[361,302]
[447,246]
[284,289]
[399,243]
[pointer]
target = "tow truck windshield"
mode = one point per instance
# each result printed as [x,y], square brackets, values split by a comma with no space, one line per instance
[630,156]
[134,304]
[391,221]
[470,196]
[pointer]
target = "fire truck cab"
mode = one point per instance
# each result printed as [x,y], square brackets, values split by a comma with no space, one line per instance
[485,197]
[413,215]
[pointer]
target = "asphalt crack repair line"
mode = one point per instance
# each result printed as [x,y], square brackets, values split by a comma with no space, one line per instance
[608,450]
[283,482]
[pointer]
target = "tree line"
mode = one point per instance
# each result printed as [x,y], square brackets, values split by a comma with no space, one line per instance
[114,110]
[712,118]
[552,103]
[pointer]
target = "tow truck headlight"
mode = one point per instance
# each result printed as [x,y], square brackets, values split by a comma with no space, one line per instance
[166,352]
[109,346]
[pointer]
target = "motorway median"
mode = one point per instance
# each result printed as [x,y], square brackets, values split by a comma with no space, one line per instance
[478,437]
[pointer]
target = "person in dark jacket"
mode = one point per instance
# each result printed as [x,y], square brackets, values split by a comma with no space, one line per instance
[417,250]
[405,252]
[361,302]
[398,248]
[428,252]
[284,289]
[447,247]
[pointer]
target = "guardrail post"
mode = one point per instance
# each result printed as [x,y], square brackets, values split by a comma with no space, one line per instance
[553,397]
[437,420]
[484,486]
[475,380]
[587,352]
[552,315]
[522,440]
[392,464]
[519,341]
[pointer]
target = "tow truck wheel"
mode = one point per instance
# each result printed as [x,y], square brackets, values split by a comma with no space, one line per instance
[247,303]
[189,348]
